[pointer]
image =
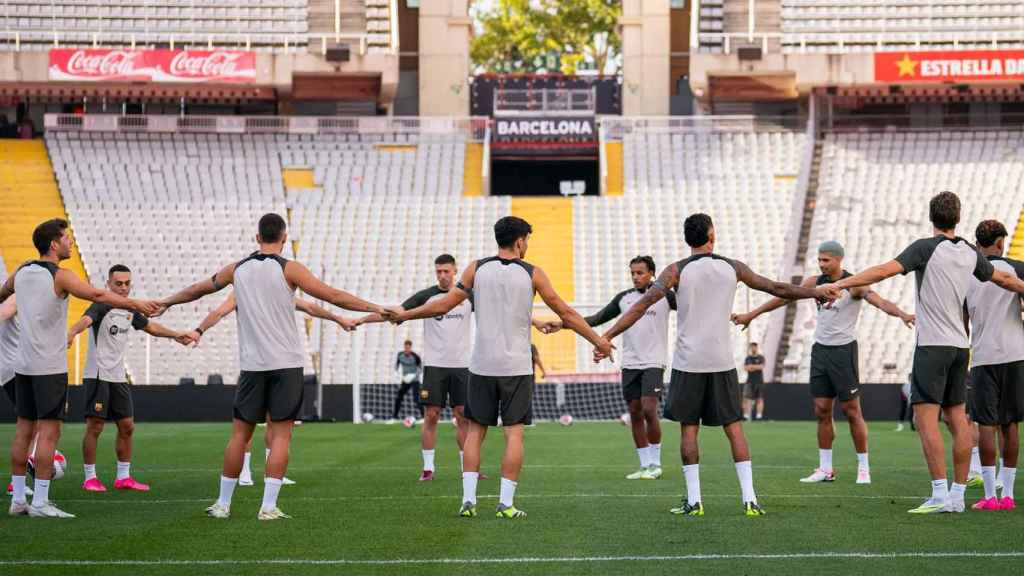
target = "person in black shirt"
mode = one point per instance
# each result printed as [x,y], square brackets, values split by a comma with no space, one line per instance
[754,366]
[409,367]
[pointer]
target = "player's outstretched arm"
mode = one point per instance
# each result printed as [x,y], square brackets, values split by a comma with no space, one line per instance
[311,309]
[444,305]
[611,311]
[667,280]
[7,290]
[571,319]
[1008,281]
[161,331]
[68,281]
[77,328]
[216,315]
[773,304]
[8,309]
[890,308]
[870,276]
[782,290]
[215,283]
[299,275]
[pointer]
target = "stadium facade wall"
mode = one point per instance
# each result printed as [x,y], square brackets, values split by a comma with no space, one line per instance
[213,403]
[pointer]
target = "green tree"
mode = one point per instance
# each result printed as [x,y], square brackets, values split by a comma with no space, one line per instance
[531,35]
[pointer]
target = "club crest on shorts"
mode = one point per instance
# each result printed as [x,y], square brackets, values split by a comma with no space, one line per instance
[98,407]
[424,394]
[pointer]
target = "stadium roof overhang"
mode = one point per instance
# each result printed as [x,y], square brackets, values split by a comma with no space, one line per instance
[66,91]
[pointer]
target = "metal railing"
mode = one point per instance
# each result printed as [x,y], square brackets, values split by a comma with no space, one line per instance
[475,128]
[614,128]
[518,101]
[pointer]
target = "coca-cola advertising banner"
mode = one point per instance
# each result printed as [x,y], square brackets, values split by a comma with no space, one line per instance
[180,66]
[949,66]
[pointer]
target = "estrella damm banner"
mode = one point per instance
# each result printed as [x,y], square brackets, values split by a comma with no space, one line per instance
[949,66]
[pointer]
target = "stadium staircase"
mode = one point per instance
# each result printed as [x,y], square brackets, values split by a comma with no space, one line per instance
[551,248]
[29,195]
[801,255]
[1016,250]
[473,172]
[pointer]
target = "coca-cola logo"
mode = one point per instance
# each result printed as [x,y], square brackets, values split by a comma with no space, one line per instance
[209,65]
[112,63]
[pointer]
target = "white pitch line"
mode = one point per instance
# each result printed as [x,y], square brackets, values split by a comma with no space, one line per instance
[763,497]
[360,468]
[519,560]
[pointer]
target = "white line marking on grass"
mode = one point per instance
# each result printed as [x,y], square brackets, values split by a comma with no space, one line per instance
[527,559]
[361,468]
[106,502]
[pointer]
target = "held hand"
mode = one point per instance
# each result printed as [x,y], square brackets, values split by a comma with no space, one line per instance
[743,320]
[347,324]
[909,320]
[185,338]
[390,313]
[603,350]
[194,337]
[150,308]
[550,326]
[71,341]
[828,293]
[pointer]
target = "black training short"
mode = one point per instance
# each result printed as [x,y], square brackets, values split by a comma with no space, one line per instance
[998,397]
[642,383]
[939,376]
[108,400]
[754,388]
[835,371]
[11,391]
[41,397]
[444,386]
[277,392]
[708,398]
[509,396]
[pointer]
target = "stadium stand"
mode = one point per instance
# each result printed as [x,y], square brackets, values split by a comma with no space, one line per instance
[864,25]
[151,22]
[872,197]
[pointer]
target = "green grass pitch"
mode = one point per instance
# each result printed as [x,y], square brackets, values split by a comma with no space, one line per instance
[358,510]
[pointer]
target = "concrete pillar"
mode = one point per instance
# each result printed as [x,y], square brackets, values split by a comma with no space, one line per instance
[646,34]
[445,30]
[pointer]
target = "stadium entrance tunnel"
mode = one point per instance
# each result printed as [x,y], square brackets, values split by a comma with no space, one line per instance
[512,176]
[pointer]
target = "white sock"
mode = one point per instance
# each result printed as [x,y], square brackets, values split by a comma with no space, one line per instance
[655,454]
[19,489]
[271,488]
[939,490]
[246,466]
[975,461]
[1009,475]
[508,492]
[42,495]
[642,454]
[692,474]
[227,490]
[988,477]
[428,460]
[469,486]
[825,460]
[1000,464]
[90,471]
[124,470]
[956,491]
[862,460]
[266,454]
[462,460]
[746,476]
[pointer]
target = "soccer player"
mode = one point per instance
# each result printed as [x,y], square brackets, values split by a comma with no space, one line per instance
[446,351]
[644,351]
[107,393]
[271,353]
[835,370]
[997,367]
[225,309]
[409,367]
[8,357]
[704,387]
[501,368]
[943,265]
[753,365]
[41,369]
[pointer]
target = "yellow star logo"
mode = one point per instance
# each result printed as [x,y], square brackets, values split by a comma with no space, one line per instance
[907,66]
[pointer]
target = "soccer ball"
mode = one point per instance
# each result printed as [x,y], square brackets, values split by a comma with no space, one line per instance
[624,419]
[565,420]
[409,422]
[60,465]
[409,378]
[367,417]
